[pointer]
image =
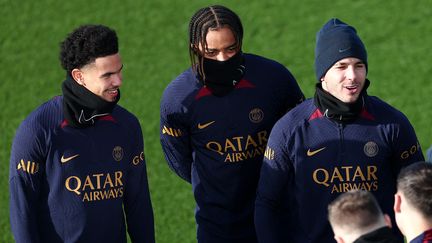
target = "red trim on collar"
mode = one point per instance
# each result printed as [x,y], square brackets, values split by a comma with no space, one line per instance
[243,84]
[365,114]
[317,114]
[64,123]
[102,118]
[204,91]
[427,236]
[107,118]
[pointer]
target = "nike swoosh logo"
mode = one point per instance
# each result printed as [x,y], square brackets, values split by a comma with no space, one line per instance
[344,50]
[202,126]
[64,160]
[312,153]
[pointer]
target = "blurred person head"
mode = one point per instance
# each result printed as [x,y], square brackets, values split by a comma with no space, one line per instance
[355,213]
[413,199]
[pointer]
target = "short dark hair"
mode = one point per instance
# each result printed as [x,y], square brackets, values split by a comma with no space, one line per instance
[86,43]
[210,18]
[415,183]
[355,209]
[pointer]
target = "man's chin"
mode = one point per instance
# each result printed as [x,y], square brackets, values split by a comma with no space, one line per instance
[350,99]
[110,98]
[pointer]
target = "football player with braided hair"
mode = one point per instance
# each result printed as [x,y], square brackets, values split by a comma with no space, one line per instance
[215,120]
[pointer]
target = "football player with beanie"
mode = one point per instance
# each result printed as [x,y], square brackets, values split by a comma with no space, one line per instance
[339,140]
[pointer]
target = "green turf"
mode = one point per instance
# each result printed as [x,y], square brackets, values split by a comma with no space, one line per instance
[153,45]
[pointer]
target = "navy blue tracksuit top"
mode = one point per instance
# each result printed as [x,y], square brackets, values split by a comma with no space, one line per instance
[79,184]
[218,143]
[311,159]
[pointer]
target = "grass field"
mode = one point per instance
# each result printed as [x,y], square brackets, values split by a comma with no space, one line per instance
[153,44]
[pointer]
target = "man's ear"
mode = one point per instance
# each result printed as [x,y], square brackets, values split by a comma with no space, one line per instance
[397,203]
[77,75]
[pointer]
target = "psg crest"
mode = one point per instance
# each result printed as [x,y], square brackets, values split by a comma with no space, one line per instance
[371,149]
[117,153]
[256,115]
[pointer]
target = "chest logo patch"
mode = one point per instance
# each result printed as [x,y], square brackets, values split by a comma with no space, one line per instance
[313,152]
[117,153]
[64,159]
[371,149]
[256,115]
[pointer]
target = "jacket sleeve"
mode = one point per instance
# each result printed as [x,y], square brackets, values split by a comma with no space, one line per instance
[175,139]
[137,203]
[275,174]
[406,147]
[26,166]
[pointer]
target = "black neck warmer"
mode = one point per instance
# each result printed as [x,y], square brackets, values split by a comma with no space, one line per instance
[81,106]
[337,110]
[222,76]
[381,235]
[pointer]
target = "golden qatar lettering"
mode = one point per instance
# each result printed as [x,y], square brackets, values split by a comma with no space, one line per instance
[239,148]
[345,178]
[96,187]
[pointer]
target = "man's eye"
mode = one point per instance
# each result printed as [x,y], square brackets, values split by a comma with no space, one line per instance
[210,53]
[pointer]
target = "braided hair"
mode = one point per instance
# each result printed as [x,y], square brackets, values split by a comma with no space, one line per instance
[210,18]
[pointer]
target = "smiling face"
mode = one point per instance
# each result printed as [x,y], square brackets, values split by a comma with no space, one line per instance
[102,77]
[345,79]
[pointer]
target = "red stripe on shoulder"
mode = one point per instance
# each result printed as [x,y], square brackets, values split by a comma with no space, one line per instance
[365,114]
[317,114]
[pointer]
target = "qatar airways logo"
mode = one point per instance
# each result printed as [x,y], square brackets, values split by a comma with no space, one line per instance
[239,148]
[345,178]
[96,187]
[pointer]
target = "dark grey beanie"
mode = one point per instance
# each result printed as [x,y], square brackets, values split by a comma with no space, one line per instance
[336,40]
